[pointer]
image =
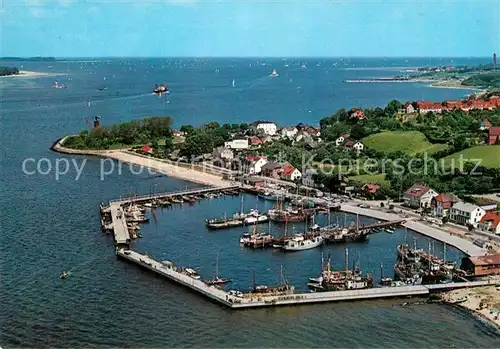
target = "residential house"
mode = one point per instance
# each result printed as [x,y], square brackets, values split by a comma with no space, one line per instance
[290,173]
[255,141]
[485,125]
[267,127]
[418,196]
[494,135]
[427,107]
[465,213]
[409,108]
[177,133]
[339,141]
[255,163]
[288,132]
[356,114]
[267,139]
[488,206]
[308,130]
[271,169]
[237,144]
[358,146]
[223,153]
[441,204]
[490,223]
[146,149]
[308,177]
[370,189]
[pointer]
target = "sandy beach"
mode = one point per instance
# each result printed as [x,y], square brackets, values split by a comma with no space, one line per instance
[480,300]
[31,74]
[196,174]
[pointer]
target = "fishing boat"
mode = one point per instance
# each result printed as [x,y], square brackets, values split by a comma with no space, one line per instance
[290,215]
[301,243]
[254,217]
[176,200]
[191,273]
[390,230]
[160,89]
[188,199]
[282,289]
[268,196]
[63,275]
[57,85]
[274,73]
[217,281]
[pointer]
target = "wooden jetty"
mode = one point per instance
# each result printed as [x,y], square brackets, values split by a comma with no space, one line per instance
[253,300]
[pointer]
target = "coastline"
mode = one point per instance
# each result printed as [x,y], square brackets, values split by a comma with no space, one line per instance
[471,300]
[188,172]
[31,74]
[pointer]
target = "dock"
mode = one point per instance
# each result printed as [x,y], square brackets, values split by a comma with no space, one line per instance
[466,246]
[255,300]
[120,229]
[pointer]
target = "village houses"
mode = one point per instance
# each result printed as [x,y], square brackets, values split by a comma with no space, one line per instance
[288,132]
[255,163]
[290,173]
[418,196]
[237,144]
[267,127]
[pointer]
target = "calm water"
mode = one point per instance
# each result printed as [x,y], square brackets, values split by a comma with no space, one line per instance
[51,225]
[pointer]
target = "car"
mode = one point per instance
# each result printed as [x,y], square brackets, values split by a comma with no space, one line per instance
[363,206]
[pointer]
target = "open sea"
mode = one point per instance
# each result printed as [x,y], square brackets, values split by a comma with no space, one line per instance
[51,224]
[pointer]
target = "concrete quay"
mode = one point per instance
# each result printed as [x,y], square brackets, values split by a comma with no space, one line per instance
[120,229]
[261,300]
[463,245]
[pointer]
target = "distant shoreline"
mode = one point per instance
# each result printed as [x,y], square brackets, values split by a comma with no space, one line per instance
[30,74]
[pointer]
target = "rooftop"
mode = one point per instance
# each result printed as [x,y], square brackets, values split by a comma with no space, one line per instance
[465,207]
[486,260]
[417,190]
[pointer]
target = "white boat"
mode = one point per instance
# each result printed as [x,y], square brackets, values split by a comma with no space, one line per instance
[274,73]
[234,83]
[295,244]
[192,273]
[390,230]
[253,217]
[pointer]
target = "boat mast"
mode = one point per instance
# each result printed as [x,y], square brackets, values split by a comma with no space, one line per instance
[241,205]
[381,271]
[217,266]
[430,259]
[406,235]
[346,260]
[345,220]
[444,252]
[357,223]
[329,216]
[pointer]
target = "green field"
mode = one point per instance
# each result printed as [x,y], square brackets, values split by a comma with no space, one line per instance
[489,155]
[411,142]
[373,179]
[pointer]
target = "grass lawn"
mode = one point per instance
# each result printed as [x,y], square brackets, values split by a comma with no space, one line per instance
[410,142]
[378,178]
[489,155]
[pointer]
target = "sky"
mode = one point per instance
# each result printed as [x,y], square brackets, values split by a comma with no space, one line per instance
[250,28]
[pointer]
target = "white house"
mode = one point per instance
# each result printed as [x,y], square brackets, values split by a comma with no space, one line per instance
[237,144]
[255,163]
[465,213]
[223,153]
[339,141]
[418,196]
[290,173]
[288,132]
[269,128]
[307,178]
[358,146]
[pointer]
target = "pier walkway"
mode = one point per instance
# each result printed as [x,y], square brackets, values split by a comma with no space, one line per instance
[263,300]
[166,195]
[463,245]
[120,229]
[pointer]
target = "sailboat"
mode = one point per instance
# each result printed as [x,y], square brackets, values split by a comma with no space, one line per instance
[233,83]
[217,280]
[274,73]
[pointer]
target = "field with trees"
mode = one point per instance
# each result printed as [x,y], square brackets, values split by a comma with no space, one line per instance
[409,142]
[485,155]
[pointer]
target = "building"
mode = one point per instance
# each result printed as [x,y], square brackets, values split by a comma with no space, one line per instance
[256,182]
[370,189]
[267,127]
[490,223]
[266,139]
[308,177]
[409,108]
[418,196]
[290,173]
[237,144]
[255,141]
[356,114]
[488,206]
[255,163]
[288,132]
[223,153]
[271,169]
[427,107]
[308,130]
[481,265]
[494,135]
[466,214]
[339,141]
[146,149]
[485,125]
[441,204]
[358,146]
[177,133]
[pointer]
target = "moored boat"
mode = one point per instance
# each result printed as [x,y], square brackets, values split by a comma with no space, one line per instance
[300,243]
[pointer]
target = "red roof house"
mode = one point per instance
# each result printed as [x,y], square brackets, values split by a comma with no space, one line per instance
[290,173]
[426,107]
[254,140]
[442,203]
[418,195]
[370,188]
[494,135]
[147,149]
[490,222]
[357,114]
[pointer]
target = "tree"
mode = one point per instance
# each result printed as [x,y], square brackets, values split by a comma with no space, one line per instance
[393,107]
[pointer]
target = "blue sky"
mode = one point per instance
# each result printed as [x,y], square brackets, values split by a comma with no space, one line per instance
[326,28]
